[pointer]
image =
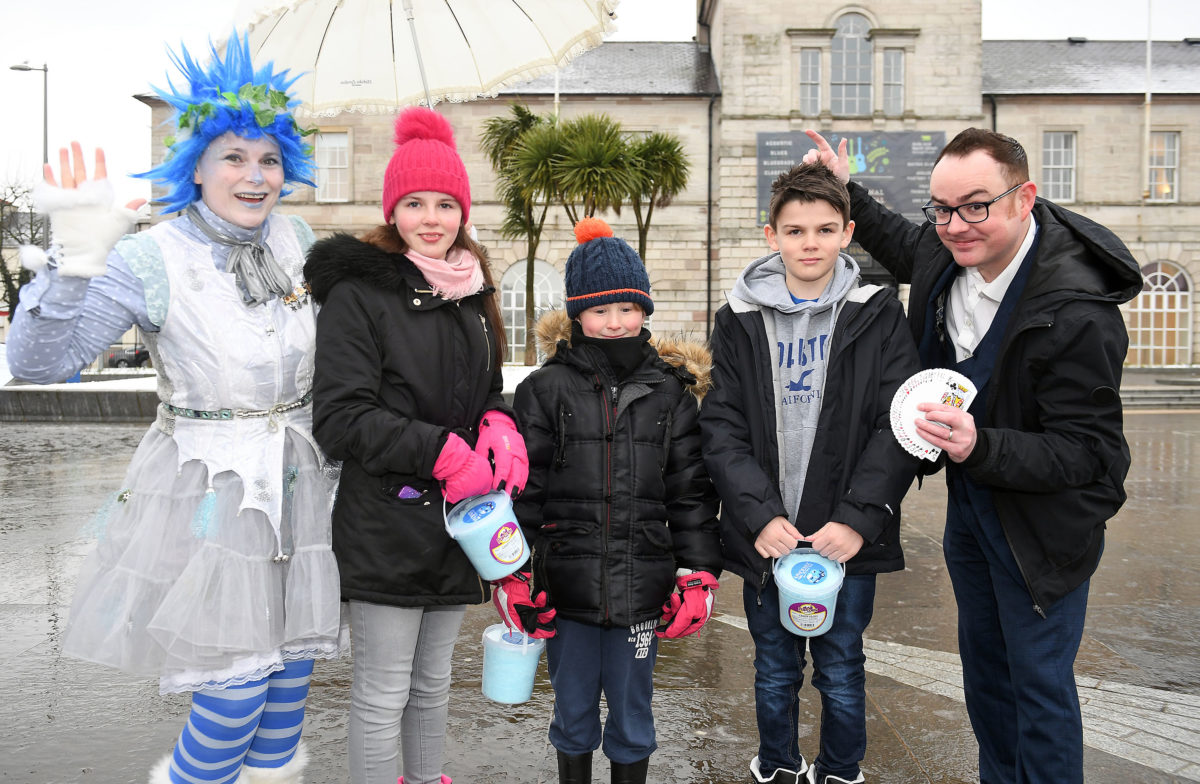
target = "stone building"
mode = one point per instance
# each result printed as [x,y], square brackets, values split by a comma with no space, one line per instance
[896,79]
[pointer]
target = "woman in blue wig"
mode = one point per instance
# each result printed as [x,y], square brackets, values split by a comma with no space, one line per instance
[213,570]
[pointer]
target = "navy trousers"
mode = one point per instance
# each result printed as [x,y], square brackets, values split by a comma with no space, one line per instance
[1018,667]
[585,660]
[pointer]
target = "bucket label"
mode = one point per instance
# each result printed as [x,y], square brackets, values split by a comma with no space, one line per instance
[809,573]
[479,511]
[507,545]
[808,616]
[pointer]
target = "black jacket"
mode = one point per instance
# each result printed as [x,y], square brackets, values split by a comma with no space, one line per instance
[397,370]
[1051,446]
[857,473]
[617,497]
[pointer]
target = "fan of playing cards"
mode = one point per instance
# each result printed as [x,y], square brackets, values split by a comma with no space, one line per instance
[936,385]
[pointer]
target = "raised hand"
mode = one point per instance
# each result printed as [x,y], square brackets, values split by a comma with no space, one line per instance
[75,175]
[836,162]
[84,223]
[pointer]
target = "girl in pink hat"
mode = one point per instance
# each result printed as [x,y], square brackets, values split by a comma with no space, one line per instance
[408,395]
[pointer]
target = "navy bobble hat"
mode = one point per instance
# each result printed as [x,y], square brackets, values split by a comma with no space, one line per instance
[603,269]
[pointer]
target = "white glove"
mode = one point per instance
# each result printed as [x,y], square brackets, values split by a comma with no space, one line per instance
[84,223]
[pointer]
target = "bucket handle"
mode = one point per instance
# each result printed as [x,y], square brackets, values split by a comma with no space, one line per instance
[802,543]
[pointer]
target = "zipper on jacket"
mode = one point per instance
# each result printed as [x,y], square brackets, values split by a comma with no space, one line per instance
[487,341]
[560,449]
[1001,354]
[665,450]
[762,586]
[609,425]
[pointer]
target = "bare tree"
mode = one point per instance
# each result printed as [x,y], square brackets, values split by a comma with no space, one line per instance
[19,225]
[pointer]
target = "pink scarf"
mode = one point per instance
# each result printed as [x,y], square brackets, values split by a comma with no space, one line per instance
[454,277]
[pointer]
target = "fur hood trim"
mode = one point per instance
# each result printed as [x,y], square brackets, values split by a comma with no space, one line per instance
[555,326]
[342,256]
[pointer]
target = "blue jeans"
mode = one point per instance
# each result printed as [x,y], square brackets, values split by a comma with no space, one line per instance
[585,660]
[1018,667]
[837,673]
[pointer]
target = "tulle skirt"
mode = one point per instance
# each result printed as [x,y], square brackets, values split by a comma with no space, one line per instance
[183,587]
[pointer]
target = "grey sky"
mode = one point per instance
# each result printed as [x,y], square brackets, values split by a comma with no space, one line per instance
[101,53]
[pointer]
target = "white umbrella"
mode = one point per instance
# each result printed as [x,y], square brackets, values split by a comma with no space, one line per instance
[377,55]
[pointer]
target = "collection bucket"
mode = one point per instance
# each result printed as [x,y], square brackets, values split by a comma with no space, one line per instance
[808,584]
[487,530]
[510,660]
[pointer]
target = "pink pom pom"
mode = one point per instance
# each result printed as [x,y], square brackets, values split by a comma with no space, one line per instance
[591,228]
[417,122]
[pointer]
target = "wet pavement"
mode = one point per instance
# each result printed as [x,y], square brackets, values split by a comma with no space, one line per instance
[1138,668]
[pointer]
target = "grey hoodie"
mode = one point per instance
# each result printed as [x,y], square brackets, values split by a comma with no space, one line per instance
[801,333]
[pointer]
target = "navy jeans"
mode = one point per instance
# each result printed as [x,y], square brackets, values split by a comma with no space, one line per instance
[837,673]
[1018,667]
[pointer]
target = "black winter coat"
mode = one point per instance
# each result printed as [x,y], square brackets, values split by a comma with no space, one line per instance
[397,370]
[1051,446]
[617,497]
[857,473]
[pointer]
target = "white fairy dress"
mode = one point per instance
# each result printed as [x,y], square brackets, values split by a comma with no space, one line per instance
[213,565]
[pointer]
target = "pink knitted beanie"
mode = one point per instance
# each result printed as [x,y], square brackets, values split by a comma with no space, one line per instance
[426,159]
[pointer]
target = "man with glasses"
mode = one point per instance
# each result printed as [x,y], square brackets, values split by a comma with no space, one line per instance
[1021,296]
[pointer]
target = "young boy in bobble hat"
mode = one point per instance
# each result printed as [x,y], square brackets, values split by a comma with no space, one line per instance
[798,440]
[618,506]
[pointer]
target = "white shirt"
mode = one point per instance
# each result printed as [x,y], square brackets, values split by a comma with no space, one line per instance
[973,302]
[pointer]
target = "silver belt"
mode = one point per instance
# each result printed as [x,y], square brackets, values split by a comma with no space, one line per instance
[227,414]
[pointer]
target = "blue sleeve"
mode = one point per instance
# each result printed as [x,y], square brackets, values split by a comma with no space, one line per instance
[63,323]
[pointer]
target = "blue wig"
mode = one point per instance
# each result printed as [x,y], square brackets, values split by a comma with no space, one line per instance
[230,96]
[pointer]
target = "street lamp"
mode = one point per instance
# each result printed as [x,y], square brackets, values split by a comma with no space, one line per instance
[45,69]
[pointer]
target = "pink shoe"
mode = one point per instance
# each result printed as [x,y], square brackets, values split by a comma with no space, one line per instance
[445,780]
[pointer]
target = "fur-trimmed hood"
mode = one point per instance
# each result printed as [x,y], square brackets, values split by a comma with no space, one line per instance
[555,327]
[342,256]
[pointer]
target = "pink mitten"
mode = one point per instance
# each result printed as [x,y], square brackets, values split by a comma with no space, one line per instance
[499,440]
[686,611]
[462,471]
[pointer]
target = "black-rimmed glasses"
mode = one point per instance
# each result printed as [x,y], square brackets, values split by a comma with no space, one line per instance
[974,212]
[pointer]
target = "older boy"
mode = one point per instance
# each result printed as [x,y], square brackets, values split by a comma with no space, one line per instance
[797,440]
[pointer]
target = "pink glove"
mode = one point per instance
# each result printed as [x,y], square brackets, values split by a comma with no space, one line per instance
[510,594]
[462,472]
[499,440]
[686,611]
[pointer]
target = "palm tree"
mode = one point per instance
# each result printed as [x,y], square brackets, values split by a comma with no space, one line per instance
[585,164]
[662,171]
[526,201]
[594,171]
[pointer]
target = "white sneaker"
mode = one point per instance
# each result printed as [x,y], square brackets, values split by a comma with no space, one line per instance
[829,779]
[781,775]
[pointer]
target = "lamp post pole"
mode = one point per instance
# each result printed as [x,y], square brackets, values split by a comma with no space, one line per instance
[45,69]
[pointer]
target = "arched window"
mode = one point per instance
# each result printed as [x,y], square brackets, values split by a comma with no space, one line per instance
[850,77]
[1160,333]
[547,295]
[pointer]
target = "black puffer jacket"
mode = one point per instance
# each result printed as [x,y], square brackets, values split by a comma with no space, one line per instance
[397,370]
[1051,444]
[618,497]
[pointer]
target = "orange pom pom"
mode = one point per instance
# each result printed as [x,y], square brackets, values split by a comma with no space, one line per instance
[591,228]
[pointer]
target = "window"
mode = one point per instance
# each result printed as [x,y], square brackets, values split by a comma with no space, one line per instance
[333,166]
[1058,165]
[1164,166]
[893,82]
[850,80]
[1160,318]
[810,82]
[547,295]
